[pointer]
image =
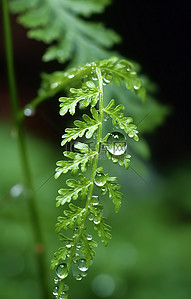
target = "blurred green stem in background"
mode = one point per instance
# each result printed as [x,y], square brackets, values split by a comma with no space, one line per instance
[33,210]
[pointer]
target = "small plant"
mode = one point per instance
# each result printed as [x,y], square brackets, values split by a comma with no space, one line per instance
[64,27]
[77,251]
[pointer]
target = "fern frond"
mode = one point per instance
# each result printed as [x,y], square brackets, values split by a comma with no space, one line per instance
[76,188]
[60,23]
[124,122]
[87,127]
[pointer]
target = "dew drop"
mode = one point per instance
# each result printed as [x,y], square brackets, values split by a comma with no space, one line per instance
[94,78]
[63,295]
[57,280]
[75,231]
[100,179]
[16,190]
[105,117]
[96,220]
[55,291]
[79,245]
[106,81]
[29,110]
[54,85]
[95,200]
[103,190]
[82,265]
[71,76]
[68,245]
[62,271]
[91,216]
[116,144]
[78,276]
[89,237]
[117,125]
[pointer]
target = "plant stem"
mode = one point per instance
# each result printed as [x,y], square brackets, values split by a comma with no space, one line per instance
[33,211]
[66,81]
[94,168]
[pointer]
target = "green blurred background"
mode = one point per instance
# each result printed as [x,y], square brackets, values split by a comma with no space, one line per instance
[149,256]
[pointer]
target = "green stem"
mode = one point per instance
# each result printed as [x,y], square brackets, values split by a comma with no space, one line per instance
[33,211]
[94,168]
[66,81]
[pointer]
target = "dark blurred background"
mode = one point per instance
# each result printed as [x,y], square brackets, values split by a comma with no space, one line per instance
[150,258]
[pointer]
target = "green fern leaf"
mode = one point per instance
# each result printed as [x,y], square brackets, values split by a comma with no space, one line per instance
[76,160]
[114,194]
[88,127]
[88,94]
[87,250]
[71,217]
[60,23]
[59,255]
[103,231]
[124,122]
[76,187]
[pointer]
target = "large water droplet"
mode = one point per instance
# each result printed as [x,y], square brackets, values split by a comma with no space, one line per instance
[95,200]
[82,265]
[29,110]
[62,271]
[100,179]
[116,144]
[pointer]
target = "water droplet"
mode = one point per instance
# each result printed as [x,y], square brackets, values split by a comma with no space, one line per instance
[62,270]
[82,265]
[89,237]
[75,231]
[116,144]
[94,78]
[96,220]
[16,190]
[100,179]
[106,81]
[95,200]
[68,245]
[117,125]
[137,84]
[29,110]
[105,117]
[78,276]
[57,279]
[54,85]
[71,76]
[91,216]
[103,190]
[79,245]
[55,291]
[63,295]
[84,274]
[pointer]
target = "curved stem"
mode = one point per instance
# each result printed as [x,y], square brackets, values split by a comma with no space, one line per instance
[33,210]
[66,81]
[94,168]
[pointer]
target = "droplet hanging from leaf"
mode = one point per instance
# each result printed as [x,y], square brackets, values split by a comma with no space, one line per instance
[62,271]
[116,144]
